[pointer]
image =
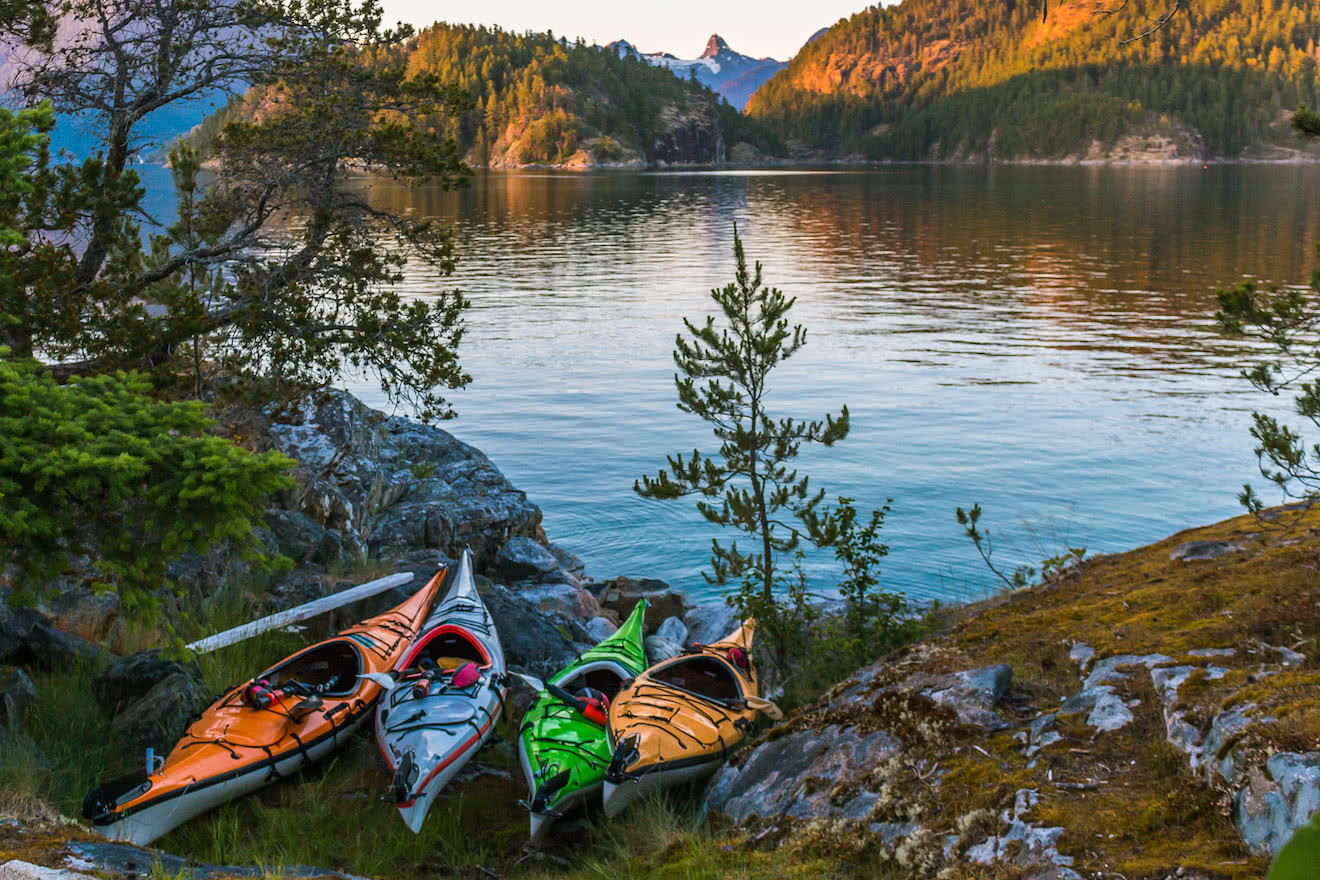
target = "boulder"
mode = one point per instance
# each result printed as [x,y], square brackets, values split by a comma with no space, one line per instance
[673,630]
[537,642]
[50,647]
[16,693]
[159,717]
[621,594]
[710,622]
[130,679]
[564,599]
[600,628]
[524,559]
[28,638]
[658,649]
[568,562]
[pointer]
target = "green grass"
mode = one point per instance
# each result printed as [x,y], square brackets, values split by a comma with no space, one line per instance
[339,814]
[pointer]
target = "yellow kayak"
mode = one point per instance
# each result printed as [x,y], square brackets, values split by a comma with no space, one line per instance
[679,720]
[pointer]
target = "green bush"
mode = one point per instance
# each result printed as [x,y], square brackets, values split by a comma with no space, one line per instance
[99,471]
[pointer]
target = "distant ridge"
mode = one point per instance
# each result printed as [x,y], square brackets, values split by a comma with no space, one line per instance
[985,80]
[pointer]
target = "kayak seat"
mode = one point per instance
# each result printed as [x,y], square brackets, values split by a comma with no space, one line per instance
[701,675]
[605,681]
[449,663]
[447,647]
[331,669]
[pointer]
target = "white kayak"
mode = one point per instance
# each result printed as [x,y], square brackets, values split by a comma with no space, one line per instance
[448,691]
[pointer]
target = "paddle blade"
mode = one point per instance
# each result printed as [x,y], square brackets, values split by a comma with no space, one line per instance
[530,680]
[379,678]
[769,708]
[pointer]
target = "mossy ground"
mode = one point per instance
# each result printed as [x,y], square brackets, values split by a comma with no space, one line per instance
[1128,803]
[1150,815]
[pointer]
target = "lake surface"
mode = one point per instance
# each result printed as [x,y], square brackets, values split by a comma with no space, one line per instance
[1038,340]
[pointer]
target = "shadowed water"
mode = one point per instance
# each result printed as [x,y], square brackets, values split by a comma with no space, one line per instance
[1039,340]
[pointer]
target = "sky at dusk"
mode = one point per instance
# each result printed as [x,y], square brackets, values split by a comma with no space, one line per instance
[776,29]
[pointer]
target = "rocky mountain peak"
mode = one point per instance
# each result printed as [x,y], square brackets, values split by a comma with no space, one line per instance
[715,46]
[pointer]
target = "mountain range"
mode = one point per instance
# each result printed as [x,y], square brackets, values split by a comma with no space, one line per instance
[944,80]
[730,74]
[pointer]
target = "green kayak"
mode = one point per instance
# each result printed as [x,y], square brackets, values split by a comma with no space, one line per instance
[562,742]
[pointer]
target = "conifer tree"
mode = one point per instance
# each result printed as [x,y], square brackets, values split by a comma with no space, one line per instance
[750,484]
[1286,319]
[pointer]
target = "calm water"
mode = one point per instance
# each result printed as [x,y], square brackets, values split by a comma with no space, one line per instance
[1039,340]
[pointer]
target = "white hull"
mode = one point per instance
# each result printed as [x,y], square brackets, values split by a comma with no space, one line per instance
[618,797]
[143,826]
[442,730]
[415,814]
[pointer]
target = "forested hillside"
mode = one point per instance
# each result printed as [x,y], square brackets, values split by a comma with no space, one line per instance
[971,78]
[538,99]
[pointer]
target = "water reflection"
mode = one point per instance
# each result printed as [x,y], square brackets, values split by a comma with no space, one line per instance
[1038,339]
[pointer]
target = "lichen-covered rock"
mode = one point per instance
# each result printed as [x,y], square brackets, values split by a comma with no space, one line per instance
[1277,799]
[16,869]
[302,538]
[797,776]
[1023,843]
[383,484]
[1202,551]
[971,694]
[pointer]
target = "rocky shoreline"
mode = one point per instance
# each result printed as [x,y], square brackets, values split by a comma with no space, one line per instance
[371,492]
[1146,712]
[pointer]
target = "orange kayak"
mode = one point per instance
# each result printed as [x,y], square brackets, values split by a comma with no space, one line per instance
[680,719]
[294,713]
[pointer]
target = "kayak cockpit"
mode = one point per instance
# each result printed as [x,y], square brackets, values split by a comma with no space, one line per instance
[330,669]
[605,676]
[702,675]
[447,647]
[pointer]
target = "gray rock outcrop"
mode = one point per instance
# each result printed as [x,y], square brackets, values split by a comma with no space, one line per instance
[369,483]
